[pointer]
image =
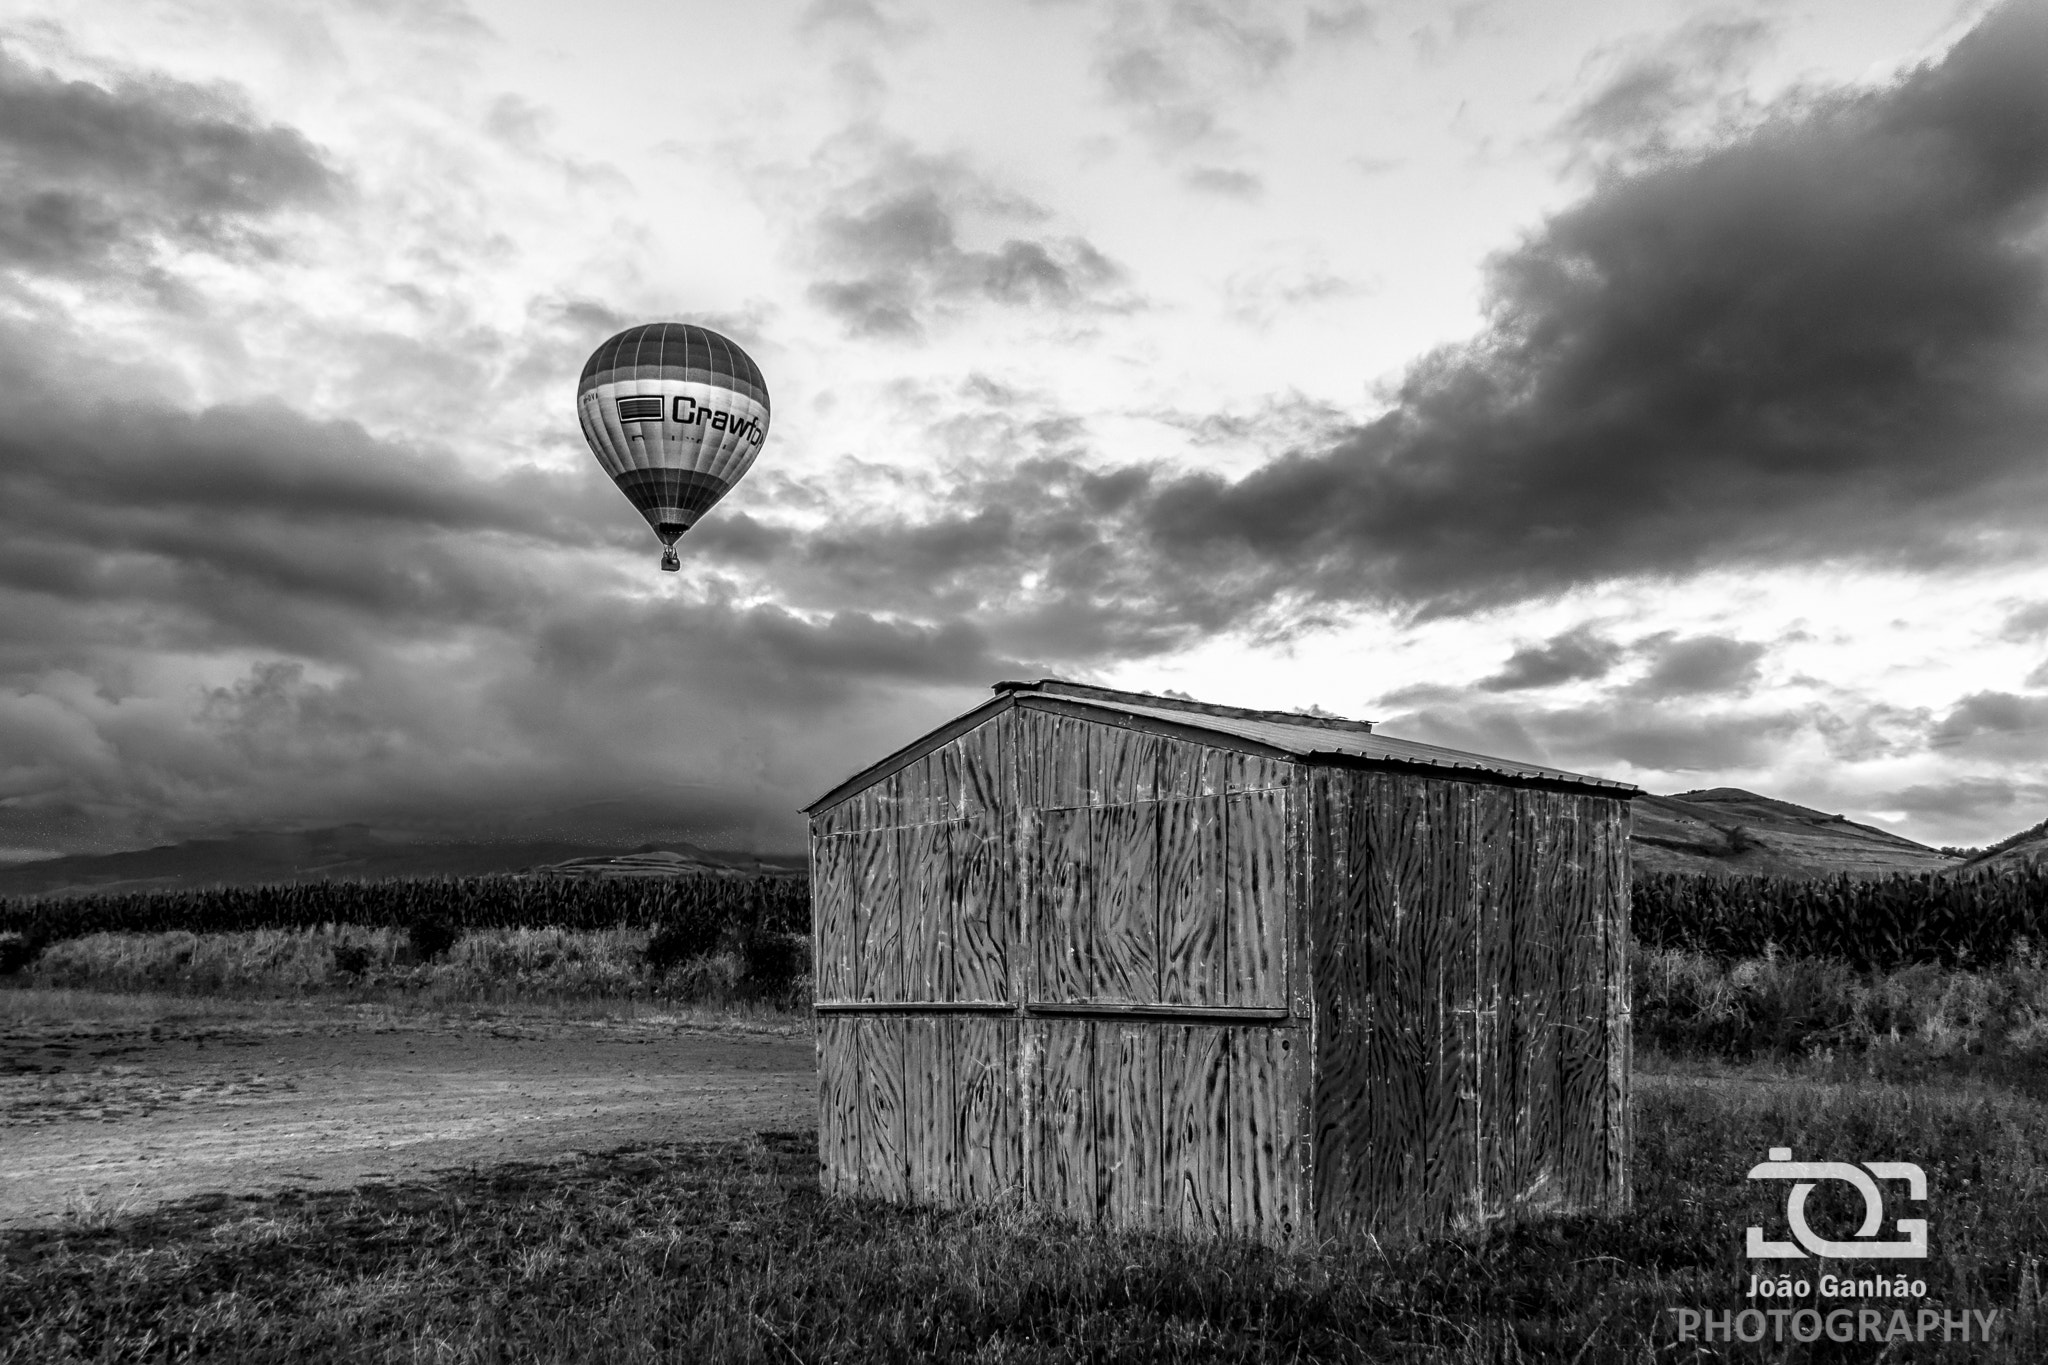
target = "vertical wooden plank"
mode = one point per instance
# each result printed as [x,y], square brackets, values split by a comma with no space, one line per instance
[1338,1126]
[987,1137]
[1066,771]
[1065,916]
[1613,816]
[945,775]
[835,945]
[1066,1119]
[1192,938]
[1195,1134]
[1303,908]
[840,1162]
[1126,764]
[881,804]
[1582,1040]
[1129,1186]
[1183,770]
[879,913]
[1444,900]
[884,1173]
[1532,1018]
[1030,750]
[927,918]
[1124,850]
[981,767]
[1255,899]
[930,1116]
[1498,1119]
[982,894]
[1406,1023]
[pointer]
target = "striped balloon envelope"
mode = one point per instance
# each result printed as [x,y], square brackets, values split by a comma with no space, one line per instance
[676,414]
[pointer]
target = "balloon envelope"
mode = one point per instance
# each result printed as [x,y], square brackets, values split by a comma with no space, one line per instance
[676,414]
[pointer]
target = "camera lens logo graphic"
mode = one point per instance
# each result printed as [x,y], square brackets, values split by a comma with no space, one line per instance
[1912,1245]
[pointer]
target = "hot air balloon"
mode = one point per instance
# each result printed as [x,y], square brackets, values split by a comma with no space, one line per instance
[676,414]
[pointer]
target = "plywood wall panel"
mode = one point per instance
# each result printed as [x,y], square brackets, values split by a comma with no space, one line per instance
[1196,1134]
[983,788]
[1612,893]
[1067,770]
[1255,899]
[834,924]
[878,890]
[983,895]
[1124,851]
[1126,764]
[840,1162]
[1065,1119]
[1252,772]
[987,1135]
[1582,1031]
[928,912]
[1130,1188]
[1263,1158]
[1450,950]
[1530,1035]
[1192,937]
[930,1132]
[884,1171]
[1065,913]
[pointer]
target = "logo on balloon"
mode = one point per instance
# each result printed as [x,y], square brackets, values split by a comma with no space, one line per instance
[1864,1178]
[688,411]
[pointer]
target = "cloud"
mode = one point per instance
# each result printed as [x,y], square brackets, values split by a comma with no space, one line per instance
[891,247]
[2025,622]
[1576,655]
[1223,181]
[1995,722]
[90,173]
[1663,91]
[1172,66]
[1697,665]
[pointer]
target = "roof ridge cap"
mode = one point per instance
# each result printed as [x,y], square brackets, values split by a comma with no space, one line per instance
[1060,687]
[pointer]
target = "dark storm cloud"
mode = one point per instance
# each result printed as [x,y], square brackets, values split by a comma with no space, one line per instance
[1819,342]
[89,172]
[1576,655]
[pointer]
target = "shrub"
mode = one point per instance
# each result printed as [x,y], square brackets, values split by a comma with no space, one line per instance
[682,940]
[352,959]
[775,960]
[431,937]
[16,952]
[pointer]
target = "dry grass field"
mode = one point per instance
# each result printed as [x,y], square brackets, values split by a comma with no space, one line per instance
[630,1241]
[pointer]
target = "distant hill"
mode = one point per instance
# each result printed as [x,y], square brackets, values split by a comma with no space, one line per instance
[1731,832]
[358,852]
[2025,849]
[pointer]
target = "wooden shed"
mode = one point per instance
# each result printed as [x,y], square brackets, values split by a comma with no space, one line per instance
[1162,964]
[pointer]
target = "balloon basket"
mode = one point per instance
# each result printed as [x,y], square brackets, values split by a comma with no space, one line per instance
[669,562]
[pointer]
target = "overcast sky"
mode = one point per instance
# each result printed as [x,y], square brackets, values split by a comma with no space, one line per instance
[1655,390]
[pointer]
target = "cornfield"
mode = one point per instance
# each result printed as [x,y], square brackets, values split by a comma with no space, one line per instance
[770,904]
[1976,918]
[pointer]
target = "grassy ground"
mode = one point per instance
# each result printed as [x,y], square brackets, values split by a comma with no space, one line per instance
[729,1253]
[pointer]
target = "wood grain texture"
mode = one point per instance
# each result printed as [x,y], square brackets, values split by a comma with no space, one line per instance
[1192,901]
[1126,764]
[835,935]
[878,890]
[1255,899]
[984,787]
[1123,965]
[926,935]
[1066,766]
[884,1171]
[1262,1159]
[983,897]
[1065,1119]
[1031,736]
[1187,771]
[1065,913]
[1582,1029]
[1253,772]
[1613,897]
[1195,1127]
[930,1134]
[1130,1191]
[945,782]
[987,1136]
[840,1162]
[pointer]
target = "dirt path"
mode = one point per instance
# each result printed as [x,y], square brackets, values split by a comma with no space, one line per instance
[101,1117]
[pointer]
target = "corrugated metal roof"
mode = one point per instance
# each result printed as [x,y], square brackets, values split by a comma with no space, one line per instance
[1315,741]
[1306,737]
